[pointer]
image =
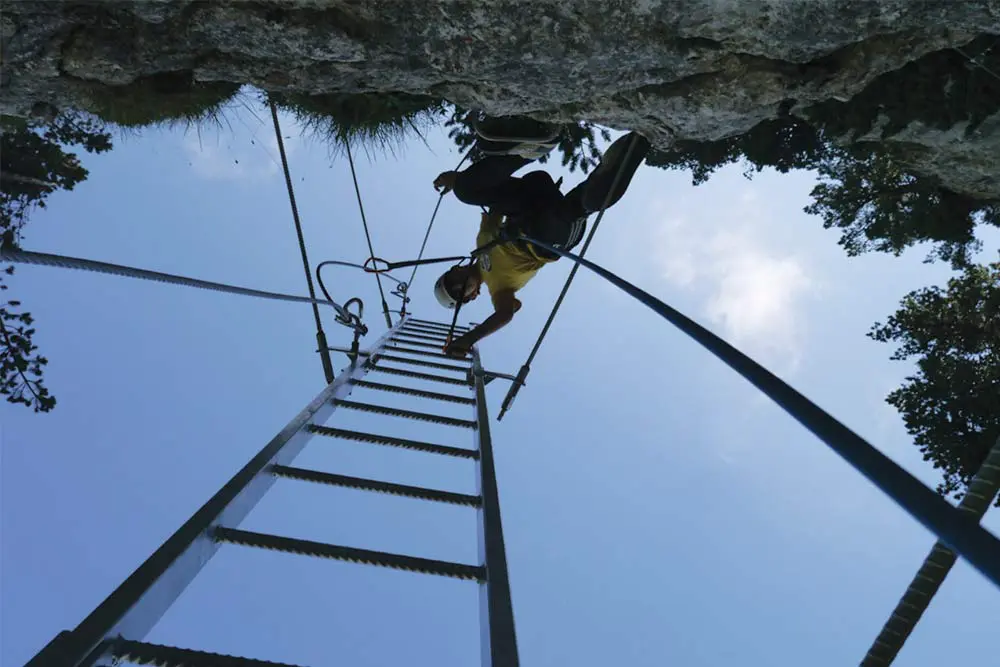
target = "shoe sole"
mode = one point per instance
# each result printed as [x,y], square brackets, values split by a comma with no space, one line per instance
[517,140]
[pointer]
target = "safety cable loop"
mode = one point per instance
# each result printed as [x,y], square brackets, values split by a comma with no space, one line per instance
[401,290]
[361,307]
[376,269]
[354,319]
[344,316]
[355,266]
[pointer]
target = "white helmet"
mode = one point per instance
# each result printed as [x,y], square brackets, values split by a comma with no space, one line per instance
[441,293]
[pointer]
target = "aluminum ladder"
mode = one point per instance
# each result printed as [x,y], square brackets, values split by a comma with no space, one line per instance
[114,631]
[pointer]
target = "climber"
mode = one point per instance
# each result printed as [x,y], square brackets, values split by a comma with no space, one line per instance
[532,204]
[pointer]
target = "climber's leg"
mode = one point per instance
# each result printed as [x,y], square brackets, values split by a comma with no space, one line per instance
[590,195]
[489,182]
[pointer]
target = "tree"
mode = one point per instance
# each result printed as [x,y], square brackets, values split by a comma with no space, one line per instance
[950,405]
[577,141]
[20,365]
[34,164]
[864,190]
[783,144]
[884,207]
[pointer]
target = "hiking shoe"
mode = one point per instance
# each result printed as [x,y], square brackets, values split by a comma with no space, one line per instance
[530,151]
[514,129]
[616,158]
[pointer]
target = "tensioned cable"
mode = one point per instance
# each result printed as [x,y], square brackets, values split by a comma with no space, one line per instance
[430,224]
[320,335]
[522,374]
[368,236]
[961,533]
[46,259]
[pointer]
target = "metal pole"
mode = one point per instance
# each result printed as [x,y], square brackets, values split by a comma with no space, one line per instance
[321,343]
[499,639]
[917,598]
[132,610]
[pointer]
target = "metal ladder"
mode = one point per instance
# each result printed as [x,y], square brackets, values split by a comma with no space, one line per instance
[114,631]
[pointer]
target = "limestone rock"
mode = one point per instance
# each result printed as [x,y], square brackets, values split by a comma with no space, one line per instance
[672,69]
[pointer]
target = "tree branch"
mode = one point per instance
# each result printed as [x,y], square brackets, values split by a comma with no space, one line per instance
[24,379]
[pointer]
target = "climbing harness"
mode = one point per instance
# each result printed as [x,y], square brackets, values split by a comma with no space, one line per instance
[368,236]
[503,237]
[344,316]
[522,374]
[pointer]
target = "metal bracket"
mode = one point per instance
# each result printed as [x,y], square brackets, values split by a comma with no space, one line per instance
[490,376]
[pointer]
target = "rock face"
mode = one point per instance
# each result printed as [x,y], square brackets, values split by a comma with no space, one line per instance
[672,69]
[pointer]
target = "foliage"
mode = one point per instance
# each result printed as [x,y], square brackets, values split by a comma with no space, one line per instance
[577,141]
[378,122]
[950,405]
[34,163]
[882,206]
[169,98]
[783,144]
[20,366]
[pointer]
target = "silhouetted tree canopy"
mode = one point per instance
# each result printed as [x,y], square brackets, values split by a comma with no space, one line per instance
[882,206]
[34,163]
[950,406]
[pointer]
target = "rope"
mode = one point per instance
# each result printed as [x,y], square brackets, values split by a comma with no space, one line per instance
[430,224]
[959,532]
[401,289]
[358,266]
[368,236]
[46,259]
[320,335]
[522,374]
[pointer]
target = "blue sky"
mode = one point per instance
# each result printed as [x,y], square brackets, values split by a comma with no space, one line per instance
[657,509]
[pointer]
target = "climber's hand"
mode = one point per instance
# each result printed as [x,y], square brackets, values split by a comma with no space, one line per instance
[445,182]
[459,347]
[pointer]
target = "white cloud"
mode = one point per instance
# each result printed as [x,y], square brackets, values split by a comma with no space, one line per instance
[754,292]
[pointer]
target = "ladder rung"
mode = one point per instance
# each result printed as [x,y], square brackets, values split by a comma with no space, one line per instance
[375,485]
[425,333]
[409,414]
[422,393]
[351,554]
[417,343]
[442,325]
[443,333]
[421,336]
[374,439]
[421,362]
[421,376]
[440,355]
[142,653]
